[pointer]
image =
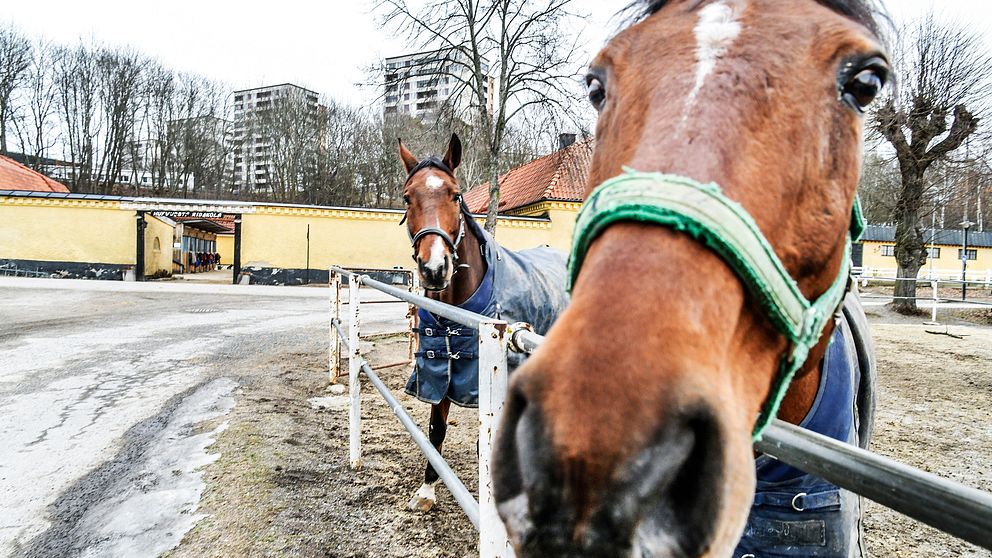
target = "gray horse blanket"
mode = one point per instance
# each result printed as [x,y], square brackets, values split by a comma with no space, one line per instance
[798,515]
[525,286]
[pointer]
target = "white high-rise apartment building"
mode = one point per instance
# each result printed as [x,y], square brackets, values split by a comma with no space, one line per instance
[418,84]
[252,158]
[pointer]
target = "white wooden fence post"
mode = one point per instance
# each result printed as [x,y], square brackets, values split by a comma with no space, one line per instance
[493,541]
[334,362]
[414,318]
[354,369]
[988,277]
[936,299]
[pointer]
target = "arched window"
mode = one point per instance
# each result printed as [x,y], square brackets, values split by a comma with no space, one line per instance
[156,245]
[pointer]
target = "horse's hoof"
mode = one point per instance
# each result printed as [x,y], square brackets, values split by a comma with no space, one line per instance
[423,500]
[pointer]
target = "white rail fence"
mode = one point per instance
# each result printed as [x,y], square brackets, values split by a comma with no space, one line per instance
[934,284]
[493,541]
[976,276]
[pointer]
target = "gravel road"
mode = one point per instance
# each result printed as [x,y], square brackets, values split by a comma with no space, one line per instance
[112,393]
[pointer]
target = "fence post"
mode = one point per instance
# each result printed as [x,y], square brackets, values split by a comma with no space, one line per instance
[988,278]
[493,542]
[354,369]
[414,318]
[334,362]
[936,299]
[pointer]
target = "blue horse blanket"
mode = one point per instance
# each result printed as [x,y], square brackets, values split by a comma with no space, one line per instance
[525,286]
[796,514]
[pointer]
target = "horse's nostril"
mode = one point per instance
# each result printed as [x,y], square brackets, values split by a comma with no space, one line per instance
[668,488]
[523,469]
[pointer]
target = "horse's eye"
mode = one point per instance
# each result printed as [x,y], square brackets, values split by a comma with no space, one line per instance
[406,200]
[596,91]
[862,88]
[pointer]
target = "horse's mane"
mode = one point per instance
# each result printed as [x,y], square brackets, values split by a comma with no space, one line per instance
[865,12]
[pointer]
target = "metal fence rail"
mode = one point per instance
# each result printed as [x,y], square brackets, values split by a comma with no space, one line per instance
[20,272]
[448,477]
[934,284]
[493,541]
[956,509]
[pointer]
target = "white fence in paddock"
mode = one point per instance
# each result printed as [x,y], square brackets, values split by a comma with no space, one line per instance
[492,391]
[956,509]
[935,301]
[975,276]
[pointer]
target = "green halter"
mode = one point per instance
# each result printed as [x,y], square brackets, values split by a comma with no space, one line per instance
[705,214]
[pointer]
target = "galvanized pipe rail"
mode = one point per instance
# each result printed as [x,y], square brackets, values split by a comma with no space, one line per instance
[952,507]
[453,313]
[493,541]
[450,479]
[956,509]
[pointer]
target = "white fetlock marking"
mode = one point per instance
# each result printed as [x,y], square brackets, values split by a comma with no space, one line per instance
[424,499]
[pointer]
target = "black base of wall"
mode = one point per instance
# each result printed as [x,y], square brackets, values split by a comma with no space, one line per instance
[63,270]
[279,276]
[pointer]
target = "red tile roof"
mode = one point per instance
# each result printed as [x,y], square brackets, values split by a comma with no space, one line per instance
[560,176]
[15,176]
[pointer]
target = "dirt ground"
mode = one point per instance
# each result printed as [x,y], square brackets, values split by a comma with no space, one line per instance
[935,413]
[282,486]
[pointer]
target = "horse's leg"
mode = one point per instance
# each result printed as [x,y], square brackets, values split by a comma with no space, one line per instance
[425,497]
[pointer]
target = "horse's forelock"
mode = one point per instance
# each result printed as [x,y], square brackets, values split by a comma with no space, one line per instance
[865,12]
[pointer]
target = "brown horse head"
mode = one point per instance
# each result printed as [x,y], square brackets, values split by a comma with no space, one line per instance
[433,213]
[629,432]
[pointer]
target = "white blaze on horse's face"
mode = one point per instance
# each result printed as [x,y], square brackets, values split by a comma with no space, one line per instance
[438,255]
[434,181]
[719,26]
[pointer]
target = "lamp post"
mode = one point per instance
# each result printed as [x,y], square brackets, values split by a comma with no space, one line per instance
[966,224]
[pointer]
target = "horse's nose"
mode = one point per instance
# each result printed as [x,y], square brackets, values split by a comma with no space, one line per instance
[434,273]
[657,500]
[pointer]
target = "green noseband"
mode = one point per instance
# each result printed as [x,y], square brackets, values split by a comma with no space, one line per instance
[705,214]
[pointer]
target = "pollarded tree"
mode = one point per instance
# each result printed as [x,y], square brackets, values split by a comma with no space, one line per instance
[943,75]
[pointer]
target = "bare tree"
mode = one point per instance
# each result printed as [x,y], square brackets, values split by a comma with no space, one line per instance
[37,129]
[15,60]
[944,71]
[292,127]
[76,83]
[531,61]
[120,75]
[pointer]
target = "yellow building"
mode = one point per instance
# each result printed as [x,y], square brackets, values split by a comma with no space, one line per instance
[85,236]
[876,254]
[107,237]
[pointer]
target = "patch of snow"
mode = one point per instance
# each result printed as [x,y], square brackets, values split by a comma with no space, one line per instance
[157,504]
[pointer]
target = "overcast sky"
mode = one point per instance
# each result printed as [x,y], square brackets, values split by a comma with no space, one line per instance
[325,45]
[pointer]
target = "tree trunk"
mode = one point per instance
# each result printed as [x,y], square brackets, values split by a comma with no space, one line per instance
[493,211]
[905,291]
[910,250]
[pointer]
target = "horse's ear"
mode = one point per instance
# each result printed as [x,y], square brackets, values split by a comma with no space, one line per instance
[409,161]
[453,157]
